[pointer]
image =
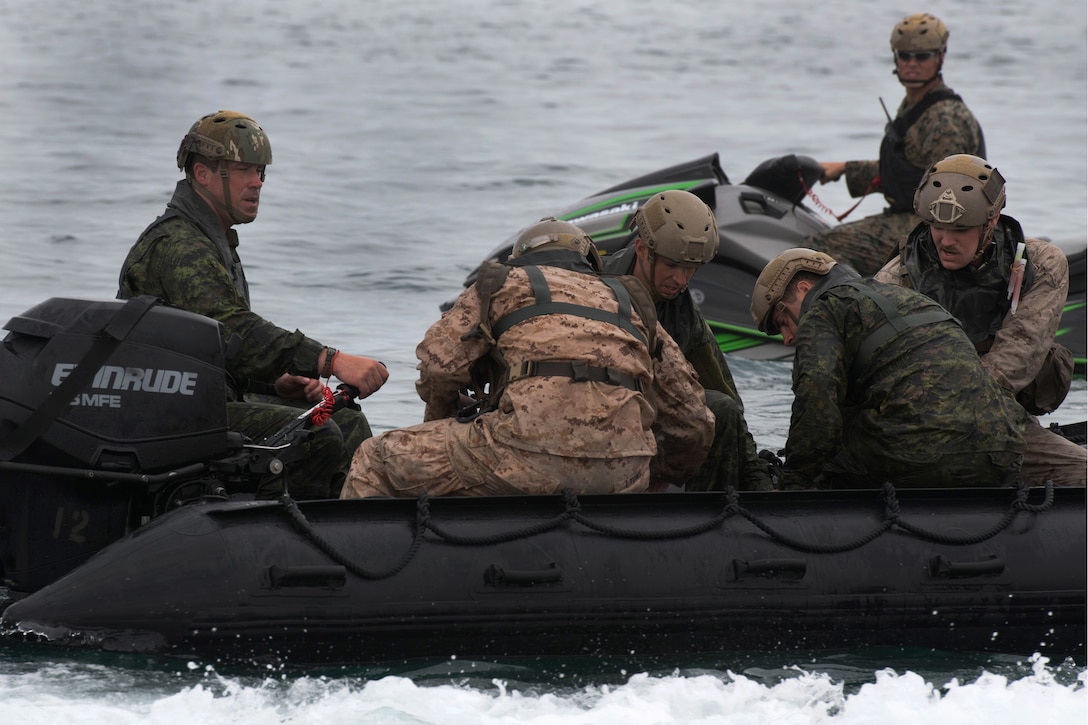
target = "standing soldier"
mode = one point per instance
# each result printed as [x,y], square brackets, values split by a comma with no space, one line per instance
[932,122]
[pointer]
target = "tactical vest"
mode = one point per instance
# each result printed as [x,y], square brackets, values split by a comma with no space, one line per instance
[895,324]
[491,373]
[977,297]
[899,177]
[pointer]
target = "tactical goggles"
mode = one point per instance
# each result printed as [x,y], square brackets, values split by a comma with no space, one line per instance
[921,56]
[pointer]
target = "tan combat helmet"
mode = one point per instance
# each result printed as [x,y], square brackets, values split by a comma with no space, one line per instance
[960,192]
[679,226]
[920,32]
[552,233]
[226,136]
[771,285]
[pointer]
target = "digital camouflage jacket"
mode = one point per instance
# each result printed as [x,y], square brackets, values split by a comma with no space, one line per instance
[556,414]
[188,260]
[920,395]
[947,127]
[1019,343]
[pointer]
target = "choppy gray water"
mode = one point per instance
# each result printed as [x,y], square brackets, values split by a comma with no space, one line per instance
[411,138]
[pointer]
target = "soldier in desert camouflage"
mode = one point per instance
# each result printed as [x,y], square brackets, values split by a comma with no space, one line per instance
[188,257]
[887,386]
[932,122]
[584,389]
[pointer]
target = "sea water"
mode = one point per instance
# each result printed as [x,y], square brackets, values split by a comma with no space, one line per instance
[411,138]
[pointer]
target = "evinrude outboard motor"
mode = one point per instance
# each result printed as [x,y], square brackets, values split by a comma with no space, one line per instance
[97,398]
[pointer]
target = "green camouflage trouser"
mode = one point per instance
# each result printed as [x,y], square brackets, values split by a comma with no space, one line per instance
[326,457]
[867,244]
[853,468]
[732,460]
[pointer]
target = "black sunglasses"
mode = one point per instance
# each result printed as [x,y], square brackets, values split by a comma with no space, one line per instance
[921,56]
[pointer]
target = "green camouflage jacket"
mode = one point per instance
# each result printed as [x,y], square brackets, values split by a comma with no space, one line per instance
[922,395]
[188,260]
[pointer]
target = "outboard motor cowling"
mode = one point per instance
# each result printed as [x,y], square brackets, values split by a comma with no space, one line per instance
[157,399]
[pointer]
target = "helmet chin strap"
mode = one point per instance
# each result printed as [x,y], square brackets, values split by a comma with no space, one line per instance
[218,204]
[650,260]
[781,306]
[985,237]
[919,83]
[224,175]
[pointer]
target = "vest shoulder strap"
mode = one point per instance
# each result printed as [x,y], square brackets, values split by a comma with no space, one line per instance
[911,117]
[894,325]
[493,372]
[545,305]
[647,311]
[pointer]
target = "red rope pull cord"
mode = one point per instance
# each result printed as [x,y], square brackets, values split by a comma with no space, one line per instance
[826,209]
[322,413]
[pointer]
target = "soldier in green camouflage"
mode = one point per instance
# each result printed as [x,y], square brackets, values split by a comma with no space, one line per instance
[887,385]
[677,234]
[932,122]
[188,257]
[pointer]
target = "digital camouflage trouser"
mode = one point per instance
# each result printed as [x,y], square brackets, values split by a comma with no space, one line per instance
[1051,457]
[448,458]
[855,468]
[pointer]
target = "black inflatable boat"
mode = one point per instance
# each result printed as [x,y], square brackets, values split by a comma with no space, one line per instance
[655,574]
[121,528]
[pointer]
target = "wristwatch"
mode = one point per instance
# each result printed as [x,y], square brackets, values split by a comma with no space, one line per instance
[330,353]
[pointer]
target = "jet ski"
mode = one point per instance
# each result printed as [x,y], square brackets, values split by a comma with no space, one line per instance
[757,219]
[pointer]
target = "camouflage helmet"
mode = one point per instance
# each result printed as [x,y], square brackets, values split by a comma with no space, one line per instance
[228,136]
[552,233]
[771,285]
[960,192]
[920,32]
[679,226]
